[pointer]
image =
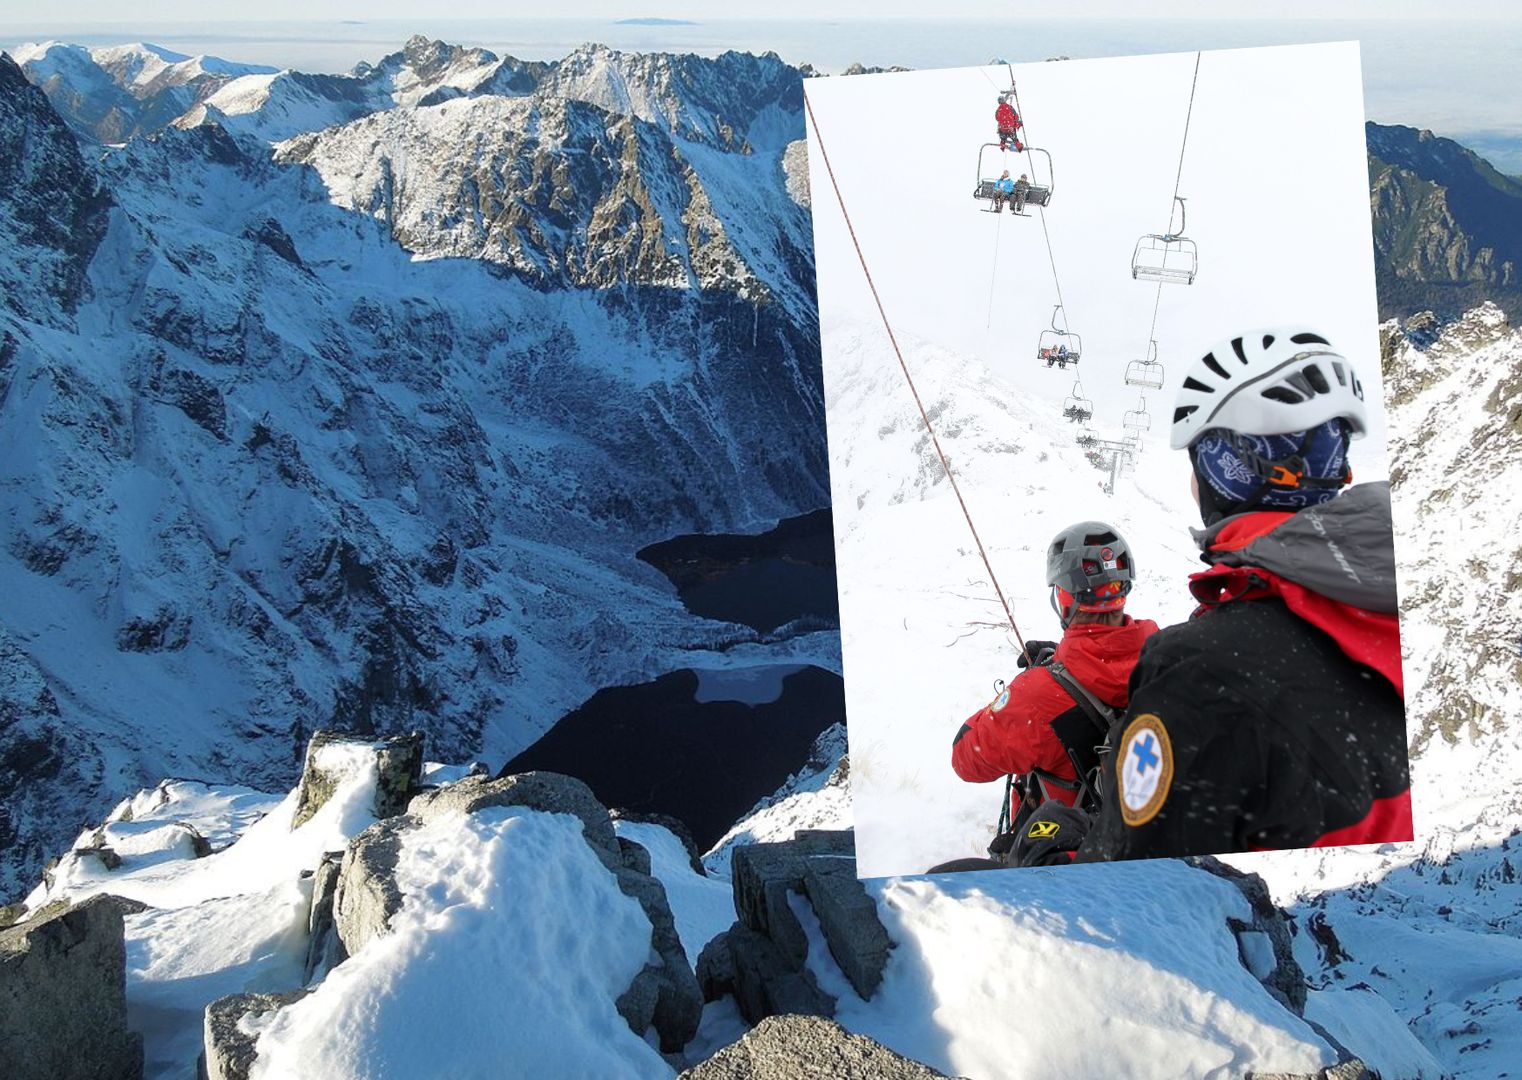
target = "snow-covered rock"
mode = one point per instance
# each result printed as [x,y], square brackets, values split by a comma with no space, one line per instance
[63,1009]
[781,1047]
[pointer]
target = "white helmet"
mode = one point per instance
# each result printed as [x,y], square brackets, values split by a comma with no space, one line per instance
[1268,382]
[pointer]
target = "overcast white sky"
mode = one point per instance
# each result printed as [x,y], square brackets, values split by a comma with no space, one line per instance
[1275,177]
[200,11]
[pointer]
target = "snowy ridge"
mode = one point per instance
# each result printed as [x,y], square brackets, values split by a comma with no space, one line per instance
[116,92]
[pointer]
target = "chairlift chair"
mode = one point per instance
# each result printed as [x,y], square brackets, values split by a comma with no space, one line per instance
[1171,258]
[1148,373]
[1038,194]
[1137,420]
[1076,407]
[1059,347]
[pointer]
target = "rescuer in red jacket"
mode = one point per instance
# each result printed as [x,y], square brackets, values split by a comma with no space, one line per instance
[1008,122]
[1090,571]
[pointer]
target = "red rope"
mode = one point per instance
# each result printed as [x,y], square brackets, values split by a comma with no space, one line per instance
[946,465]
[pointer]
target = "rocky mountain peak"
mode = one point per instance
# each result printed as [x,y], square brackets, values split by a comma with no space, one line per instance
[54,214]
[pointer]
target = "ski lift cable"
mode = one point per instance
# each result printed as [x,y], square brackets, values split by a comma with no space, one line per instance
[1050,254]
[908,378]
[993,277]
[1188,115]
[1177,181]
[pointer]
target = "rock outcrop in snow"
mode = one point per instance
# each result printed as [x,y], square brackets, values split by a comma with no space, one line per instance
[784,1047]
[63,1006]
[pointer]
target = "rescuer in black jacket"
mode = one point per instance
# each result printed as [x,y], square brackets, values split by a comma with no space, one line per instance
[1274,717]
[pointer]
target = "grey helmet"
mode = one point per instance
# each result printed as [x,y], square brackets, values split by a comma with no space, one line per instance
[1092,563]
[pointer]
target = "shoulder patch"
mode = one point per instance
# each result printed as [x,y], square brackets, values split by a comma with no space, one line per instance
[1000,701]
[1144,769]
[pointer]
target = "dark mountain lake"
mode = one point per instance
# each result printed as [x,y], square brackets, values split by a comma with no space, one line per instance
[661,747]
[705,745]
[762,580]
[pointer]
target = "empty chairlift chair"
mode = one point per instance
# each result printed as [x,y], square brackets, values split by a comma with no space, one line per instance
[1148,373]
[1056,347]
[1171,258]
[991,165]
[1137,420]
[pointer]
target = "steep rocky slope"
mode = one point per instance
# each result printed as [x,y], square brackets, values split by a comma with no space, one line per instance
[274,457]
[1447,225]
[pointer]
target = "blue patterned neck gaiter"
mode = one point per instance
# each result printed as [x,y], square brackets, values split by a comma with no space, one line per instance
[1220,461]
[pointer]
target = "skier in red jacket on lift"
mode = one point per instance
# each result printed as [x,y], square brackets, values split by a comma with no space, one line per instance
[1008,121]
[1031,726]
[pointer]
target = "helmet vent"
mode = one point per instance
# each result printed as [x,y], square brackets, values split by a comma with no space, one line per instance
[1337,369]
[1310,339]
[1284,394]
[1215,365]
[1183,412]
[1191,383]
[1268,341]
[1099,538]
[1317,380]
[1236,347]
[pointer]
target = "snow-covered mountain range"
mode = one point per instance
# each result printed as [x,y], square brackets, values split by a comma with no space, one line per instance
[352,408]
[332,432]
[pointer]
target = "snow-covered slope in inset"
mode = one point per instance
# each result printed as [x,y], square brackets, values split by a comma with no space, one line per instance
[923,636]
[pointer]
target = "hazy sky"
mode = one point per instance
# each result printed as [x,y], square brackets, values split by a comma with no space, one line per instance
[199,11]
[1282,227]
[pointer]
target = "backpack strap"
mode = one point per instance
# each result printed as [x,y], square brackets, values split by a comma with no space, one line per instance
[1099,714]
[1081,753]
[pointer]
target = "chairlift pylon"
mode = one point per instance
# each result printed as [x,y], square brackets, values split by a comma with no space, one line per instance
[1171,258]
[1148,373]
[1059,347]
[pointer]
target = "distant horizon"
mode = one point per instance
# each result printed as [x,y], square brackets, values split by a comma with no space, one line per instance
[1456,77]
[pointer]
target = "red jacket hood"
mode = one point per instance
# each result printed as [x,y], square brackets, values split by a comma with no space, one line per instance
[1101,657]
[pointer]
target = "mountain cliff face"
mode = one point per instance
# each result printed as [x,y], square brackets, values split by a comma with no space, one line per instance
[366,432]
[1447,225]
[1458,394]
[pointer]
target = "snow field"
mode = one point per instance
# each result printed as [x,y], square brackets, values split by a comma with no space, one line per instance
[511,946]
[703,907]
[923,636]
[1125,971]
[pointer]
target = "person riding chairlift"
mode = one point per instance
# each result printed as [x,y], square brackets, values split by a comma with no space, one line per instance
[1004,191]
[1009,122]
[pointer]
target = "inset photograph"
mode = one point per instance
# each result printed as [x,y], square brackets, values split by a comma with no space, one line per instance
[1107,451]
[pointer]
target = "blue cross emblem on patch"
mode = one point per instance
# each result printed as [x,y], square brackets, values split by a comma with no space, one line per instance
[1144,769]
